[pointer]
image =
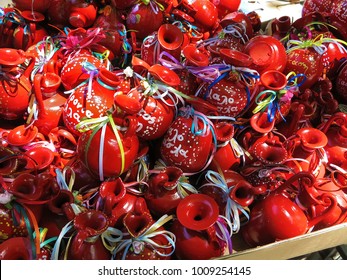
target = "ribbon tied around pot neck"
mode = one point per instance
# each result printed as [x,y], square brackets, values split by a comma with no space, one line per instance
[138,243]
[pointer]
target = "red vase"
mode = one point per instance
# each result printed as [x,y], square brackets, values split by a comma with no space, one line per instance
[168,38]
[187,149]
[305,61]
[83,16]
[14,92]
[94,103]
[16,248]
[163,193]
[49,102]
[24,39]
[275,217]
[86,244]
[120,148]
[140,15]
[194,228]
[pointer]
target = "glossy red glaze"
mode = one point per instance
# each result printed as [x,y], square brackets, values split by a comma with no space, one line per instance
[195,235]
[93,105]
[139,17]
[155,116]
[184,149]
[275,217]
[162,195]
[89,145]
[14,94]
[267,53]
[307,62]
[87,244]
[83,16]
[16,248]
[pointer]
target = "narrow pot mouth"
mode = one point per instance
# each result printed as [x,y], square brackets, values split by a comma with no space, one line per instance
[197,211]
[114,188]
[270,154]
[170,36]
[56,204]
[42,156]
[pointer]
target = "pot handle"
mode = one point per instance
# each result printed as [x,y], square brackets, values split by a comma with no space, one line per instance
[131,123]
[339,118]
[330,216]
[38,93]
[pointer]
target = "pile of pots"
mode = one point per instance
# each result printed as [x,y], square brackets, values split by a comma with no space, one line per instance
[160,129]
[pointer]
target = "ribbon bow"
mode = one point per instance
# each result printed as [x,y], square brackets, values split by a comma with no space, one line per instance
[45,50]
[138,243]
[232,208]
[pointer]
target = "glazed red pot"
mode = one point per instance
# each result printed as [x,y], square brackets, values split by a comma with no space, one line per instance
[86,244]
[304,146]
[149,239]
[273,218]
[41,157]
[49,109]
[187,149]
[58,13]
[140,14]
[156,112]
[280,27]
[83,16]
[305,61]
[268,150]
[14,92]
[168,38]
[204,12]
[194,228]
[16,248]
[162,195]
[267,53]
[321,199]
[340,83]
[40,6]
[94,103]
[117,202]
[31,33]
[72,73]
[228,153]
[229,97]
[239,18]
[336,131]
[120,148]
[57,213]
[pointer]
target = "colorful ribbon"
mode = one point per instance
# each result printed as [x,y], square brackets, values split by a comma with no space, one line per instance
[232,208]
[95,124]
[318,44]
[138,243]
[45,51]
